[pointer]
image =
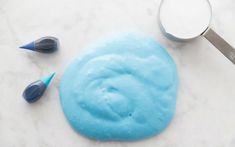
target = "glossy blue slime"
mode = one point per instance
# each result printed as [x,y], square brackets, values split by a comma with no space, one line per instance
[124,89]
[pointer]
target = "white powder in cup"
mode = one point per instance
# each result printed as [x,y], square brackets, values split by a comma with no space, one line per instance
[185,19]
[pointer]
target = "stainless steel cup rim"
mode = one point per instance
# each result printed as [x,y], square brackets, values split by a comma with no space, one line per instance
[224,47]
[177,38]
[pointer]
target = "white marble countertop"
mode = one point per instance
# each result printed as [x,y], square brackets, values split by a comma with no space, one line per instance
[205,115]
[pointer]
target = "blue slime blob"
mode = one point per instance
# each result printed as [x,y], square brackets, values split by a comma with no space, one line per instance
[124,89]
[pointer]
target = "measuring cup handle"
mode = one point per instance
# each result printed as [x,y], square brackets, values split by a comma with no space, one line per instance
[226,49]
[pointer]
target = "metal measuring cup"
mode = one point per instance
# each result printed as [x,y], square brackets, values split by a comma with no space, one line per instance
[206,31]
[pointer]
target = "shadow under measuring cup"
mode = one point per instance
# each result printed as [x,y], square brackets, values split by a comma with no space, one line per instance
[184,20]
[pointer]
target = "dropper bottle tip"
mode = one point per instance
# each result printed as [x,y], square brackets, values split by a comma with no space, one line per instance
[29,46]
[47,80]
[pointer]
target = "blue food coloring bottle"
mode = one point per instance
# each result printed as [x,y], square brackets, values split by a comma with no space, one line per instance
[46,44]
[35,90]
